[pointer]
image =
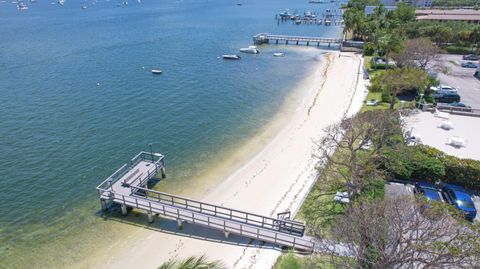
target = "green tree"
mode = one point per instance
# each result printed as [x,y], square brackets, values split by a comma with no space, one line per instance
[193,262]
[400,79]
[389,42]
[405,13]
[354,20]
[475,38]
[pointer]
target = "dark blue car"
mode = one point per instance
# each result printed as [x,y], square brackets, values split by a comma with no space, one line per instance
[458,197]
[428,190]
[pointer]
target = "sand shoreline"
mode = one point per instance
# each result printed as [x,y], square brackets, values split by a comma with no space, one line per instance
[276,179]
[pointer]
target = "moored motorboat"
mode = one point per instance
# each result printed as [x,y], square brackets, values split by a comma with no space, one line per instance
[231,57]
[156,71]
[279,54]
[250,49]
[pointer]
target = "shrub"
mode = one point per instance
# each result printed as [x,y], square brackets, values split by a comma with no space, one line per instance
[464,172]
[413,162]
[386,97]
[458,50]
[424,163]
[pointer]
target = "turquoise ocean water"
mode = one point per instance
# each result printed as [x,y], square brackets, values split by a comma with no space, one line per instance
[78,100]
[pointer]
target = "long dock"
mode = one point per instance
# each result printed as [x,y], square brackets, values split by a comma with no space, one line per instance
[128,187]
[264,38]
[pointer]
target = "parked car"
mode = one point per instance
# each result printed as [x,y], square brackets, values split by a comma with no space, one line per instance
[446,97]
[471,57]
[459,197]
[443,88]
[428,190]
[469,65]
[459,104]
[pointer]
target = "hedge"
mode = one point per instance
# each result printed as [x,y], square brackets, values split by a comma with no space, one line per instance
[464,172]
[458,50]
[424,163]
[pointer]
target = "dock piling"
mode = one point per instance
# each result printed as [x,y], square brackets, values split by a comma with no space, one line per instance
[103,203]
[227,234]
[180,224]
[124,209]
[150,216]
[164,175]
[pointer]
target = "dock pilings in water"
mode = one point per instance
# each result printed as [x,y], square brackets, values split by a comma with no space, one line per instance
[264,38]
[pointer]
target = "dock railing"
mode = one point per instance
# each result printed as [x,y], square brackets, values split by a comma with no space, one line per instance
[155,158]
[226,225]
[284,226]
[265,38]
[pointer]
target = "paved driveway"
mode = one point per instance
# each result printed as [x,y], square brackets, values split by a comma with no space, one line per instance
[461,78]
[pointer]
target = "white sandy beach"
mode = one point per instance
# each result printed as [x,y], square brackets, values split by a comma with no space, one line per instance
[275,180]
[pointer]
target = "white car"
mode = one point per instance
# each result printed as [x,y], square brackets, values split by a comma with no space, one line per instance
[443,88]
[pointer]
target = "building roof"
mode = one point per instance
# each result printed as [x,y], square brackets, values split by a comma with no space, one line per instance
[448,14]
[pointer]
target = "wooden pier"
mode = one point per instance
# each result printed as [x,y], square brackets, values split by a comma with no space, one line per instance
[264,38]
[128,187]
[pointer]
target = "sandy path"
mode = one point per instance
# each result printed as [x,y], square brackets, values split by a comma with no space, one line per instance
[275,180]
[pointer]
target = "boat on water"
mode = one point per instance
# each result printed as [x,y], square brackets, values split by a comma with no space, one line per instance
[231,57]
[156,71]
[21,6]
[250,49]
[279,54]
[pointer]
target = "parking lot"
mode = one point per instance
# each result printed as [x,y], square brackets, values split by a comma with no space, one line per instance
[403,188]
[461,78]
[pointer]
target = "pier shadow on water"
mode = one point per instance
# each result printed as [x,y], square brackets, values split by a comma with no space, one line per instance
[190,230]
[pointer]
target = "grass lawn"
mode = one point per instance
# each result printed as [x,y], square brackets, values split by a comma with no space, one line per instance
[291,261]
[320,208]
[377,95]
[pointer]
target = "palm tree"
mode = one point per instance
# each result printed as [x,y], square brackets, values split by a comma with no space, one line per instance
[388,42]
[193,262]
[354,22]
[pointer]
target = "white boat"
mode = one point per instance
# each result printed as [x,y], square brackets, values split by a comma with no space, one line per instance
[231,57]
[21,6]
[250,49]
[279,54]
[156,71]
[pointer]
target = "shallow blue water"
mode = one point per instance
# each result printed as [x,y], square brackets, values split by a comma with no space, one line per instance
[78,99]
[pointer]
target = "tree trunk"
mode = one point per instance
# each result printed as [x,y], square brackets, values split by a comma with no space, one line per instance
[392,101]
[386,60]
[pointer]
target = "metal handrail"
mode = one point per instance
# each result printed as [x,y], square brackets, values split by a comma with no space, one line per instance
[284,226]
[242,229]
[159,163]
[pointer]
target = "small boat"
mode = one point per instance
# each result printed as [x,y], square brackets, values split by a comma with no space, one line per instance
[231,57]
[250,49]
[156,71]
[279,54]
[21,6]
